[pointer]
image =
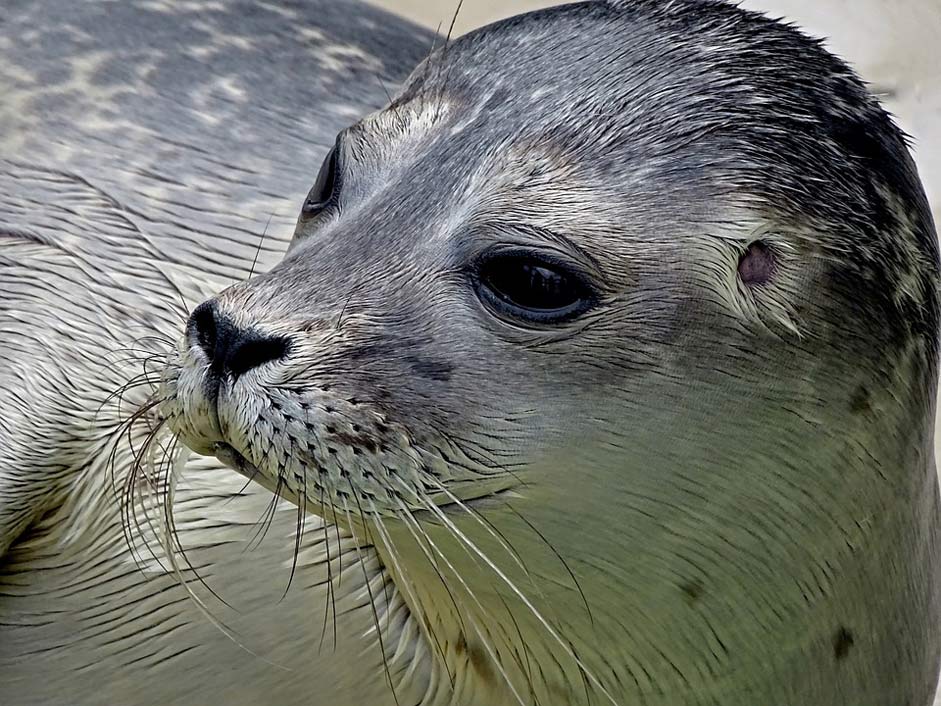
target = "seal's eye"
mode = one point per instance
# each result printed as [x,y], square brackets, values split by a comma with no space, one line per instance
[322,191]
[530,288]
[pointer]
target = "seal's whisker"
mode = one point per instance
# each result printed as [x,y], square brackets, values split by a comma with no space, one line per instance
[138,472]
[473,596]
[406,586]
[392,105]
[482,521]
[261,241]
[298,535]
[424,542]
[140,380]
[485,457]
[558,556]
[173,548]
[372,599]
[133,349]
[263,524]
[244,487]
[430,550]
[472,547]
[506,545]
[526,668]
[331,595]
[170,480]
[336,531]
[444,51]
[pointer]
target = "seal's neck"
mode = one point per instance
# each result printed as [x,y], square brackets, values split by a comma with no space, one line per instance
[668,577]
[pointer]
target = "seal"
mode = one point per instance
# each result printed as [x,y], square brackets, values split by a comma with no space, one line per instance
[607,352]
[616,336]
[152,153]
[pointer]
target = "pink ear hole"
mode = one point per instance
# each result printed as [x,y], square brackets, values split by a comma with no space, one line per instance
[757,264]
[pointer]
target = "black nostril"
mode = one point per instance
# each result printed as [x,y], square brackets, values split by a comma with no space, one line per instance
[252,350]
[229,349]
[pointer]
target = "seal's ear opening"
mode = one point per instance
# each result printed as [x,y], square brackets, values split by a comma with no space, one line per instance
[757,264]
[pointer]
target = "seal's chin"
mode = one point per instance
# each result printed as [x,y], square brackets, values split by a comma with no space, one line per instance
[236,461]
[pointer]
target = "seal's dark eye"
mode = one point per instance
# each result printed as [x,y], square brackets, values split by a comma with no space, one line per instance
[527,287]
[322,192]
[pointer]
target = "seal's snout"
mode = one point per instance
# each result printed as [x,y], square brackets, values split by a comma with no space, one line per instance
[231,350]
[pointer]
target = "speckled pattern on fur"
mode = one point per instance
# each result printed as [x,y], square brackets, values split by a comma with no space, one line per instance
[145,147]
[710,491]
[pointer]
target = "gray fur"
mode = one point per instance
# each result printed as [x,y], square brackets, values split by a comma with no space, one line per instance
[718,493]
[145,147]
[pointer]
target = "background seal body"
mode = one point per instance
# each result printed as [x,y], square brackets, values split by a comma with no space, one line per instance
[145,147]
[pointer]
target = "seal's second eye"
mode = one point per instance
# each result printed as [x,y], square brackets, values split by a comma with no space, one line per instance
[322,192]
[530,288]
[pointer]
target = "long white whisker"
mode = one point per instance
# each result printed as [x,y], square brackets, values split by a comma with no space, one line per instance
[435,510]
[480,633]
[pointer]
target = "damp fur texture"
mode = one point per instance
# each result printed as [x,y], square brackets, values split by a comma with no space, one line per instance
[708,488]
[691,493]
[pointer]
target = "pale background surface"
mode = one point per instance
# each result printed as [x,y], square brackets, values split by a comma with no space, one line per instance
[893,44]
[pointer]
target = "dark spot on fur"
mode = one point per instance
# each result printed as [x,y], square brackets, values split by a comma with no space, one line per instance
[480,661]
[371,351]
[842,642]
[693,591]
[859,402]
[431,369]
[356,441]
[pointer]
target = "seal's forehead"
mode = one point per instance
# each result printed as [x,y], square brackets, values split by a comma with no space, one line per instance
[691,92]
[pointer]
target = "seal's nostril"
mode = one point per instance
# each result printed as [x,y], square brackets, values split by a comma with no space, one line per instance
[247,352]
[229,349]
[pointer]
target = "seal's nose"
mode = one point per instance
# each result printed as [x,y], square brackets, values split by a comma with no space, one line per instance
[229,349]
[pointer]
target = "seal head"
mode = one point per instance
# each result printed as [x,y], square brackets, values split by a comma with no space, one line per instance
[616,333]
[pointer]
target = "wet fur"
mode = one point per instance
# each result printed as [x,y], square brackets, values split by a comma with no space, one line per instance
[145,148]
[711,490]
[720,493]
